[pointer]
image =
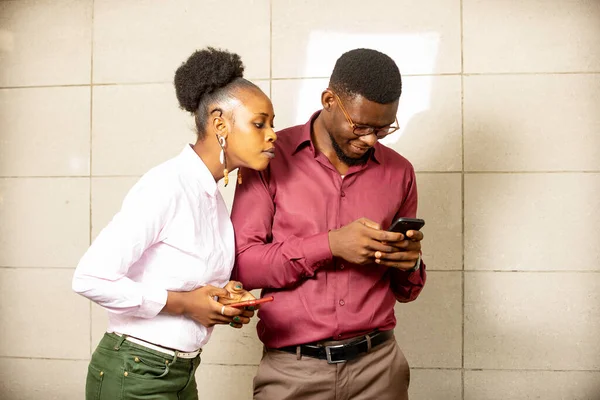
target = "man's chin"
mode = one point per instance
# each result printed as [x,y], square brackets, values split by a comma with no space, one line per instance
[353,158]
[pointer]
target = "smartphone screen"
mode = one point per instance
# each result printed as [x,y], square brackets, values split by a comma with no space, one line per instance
[403,225]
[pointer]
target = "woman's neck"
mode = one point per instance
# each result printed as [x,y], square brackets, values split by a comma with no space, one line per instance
[209,154]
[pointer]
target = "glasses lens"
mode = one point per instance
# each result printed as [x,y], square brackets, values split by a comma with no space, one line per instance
[380,133]
[363,130]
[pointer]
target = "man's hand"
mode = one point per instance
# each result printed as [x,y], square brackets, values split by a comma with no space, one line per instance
[405,254]
[358,241]
[363,242]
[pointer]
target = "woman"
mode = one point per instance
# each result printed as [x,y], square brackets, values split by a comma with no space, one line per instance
[161,262]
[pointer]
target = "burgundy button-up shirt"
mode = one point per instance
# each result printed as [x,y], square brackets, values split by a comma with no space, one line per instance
[282,217]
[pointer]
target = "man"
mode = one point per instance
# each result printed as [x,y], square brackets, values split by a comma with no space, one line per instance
[311,231]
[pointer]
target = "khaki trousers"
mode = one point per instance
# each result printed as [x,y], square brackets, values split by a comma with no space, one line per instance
[381,374]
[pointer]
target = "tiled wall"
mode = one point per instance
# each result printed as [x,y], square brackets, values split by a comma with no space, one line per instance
[500,115]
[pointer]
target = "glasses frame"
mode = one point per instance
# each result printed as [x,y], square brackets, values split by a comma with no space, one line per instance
[371,130]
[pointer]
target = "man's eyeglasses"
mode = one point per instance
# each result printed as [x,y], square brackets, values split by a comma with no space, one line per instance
[365,130]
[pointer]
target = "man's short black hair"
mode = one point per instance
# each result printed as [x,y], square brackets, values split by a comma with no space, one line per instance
[368,73]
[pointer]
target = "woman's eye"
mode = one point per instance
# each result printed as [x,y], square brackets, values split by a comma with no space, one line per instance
[259,125]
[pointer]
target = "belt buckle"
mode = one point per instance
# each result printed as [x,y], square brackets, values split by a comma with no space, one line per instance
[328,354]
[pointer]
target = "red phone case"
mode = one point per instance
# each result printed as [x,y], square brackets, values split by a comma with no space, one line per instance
[252,302]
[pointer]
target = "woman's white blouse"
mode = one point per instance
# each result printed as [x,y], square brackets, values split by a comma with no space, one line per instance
[173,233]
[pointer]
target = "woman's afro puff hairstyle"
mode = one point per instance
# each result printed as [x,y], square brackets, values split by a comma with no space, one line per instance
[204,72]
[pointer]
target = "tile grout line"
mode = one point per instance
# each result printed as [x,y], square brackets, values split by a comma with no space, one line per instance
[593,371]
[307,78]
[271,49]
[91,153]
[462,188]
[449,271]
[417,171]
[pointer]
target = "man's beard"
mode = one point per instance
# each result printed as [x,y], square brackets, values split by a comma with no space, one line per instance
[349,161]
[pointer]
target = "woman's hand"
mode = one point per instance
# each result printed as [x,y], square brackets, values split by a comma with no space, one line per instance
[237,293]
[199,305]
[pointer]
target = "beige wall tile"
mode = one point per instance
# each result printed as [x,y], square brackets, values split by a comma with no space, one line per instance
[107,197]
[45,221]
[435,384]
[429,330]
[151,38]
[308,36]
[530,385]
[136,128]
[48,321]
[99,319]
[526,221]
[544,321]
[45,131]
[532,123]
[42,379]
[531,36]
[233,346]
[231,382]
[440,205]
[295,100]
[431,123]
[430,134]
[45,42]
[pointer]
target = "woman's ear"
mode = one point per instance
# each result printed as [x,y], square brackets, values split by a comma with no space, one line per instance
[219,124]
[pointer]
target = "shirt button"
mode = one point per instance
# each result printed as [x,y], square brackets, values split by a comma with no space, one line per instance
[342,302]
[342,266]
[343,194]
[339,336]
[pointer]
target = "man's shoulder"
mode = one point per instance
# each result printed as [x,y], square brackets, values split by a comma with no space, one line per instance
[391,157]
[289,138]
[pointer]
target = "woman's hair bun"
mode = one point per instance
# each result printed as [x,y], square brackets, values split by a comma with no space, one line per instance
[204,72]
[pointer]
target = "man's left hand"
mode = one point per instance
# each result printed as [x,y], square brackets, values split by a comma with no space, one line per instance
[406,252]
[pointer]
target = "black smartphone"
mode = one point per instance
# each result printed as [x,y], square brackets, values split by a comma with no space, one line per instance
[403,225]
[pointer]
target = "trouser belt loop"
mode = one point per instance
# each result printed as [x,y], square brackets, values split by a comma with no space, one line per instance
[174,360]
[368,343]
[120,342]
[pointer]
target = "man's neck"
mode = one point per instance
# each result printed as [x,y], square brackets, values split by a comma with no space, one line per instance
[322,142]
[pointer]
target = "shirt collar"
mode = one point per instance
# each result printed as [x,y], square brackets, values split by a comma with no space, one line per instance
[304,138]
[198,170]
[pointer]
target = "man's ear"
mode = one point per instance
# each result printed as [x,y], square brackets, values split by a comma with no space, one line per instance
[327,99]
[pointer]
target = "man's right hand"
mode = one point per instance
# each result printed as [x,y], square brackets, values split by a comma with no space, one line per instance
[358,241]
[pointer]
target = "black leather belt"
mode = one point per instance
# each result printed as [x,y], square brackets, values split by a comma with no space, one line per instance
[342,352]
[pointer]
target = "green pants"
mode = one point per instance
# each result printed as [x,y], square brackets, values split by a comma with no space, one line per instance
[121,370]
